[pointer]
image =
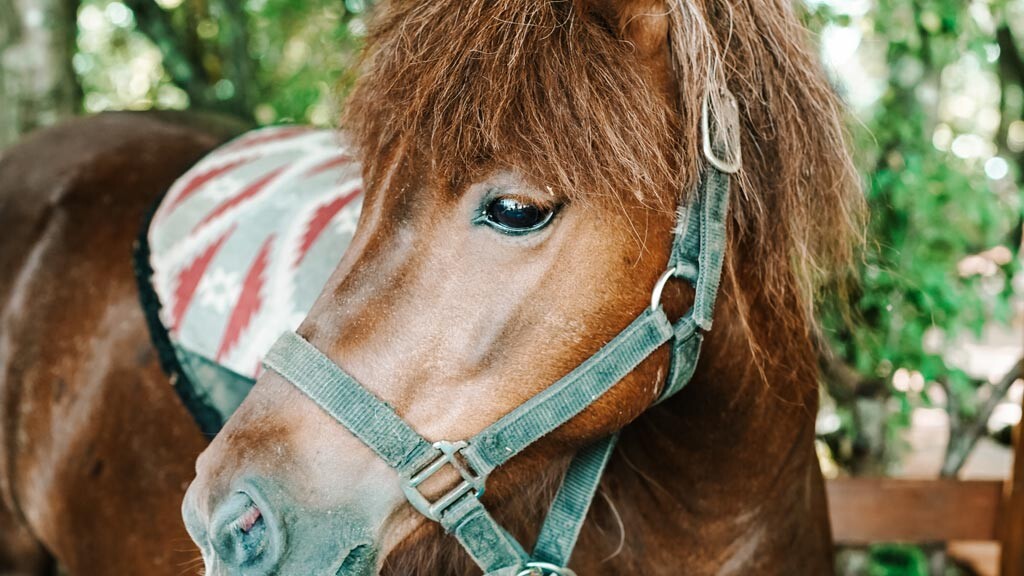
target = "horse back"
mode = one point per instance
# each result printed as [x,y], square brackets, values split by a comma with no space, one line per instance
[91,434]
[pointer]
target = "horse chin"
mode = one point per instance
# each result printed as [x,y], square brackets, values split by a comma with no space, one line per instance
[337,541]
[426,549]
[262,530]
[409,543]
[360,561]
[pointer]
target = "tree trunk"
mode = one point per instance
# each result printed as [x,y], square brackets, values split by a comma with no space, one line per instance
[38,86]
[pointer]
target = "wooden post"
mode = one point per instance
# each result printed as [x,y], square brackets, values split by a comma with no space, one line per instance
[1012,559]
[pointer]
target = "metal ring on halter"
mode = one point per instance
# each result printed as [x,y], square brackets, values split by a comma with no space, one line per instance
[545,569]
[659,287]
[727,165]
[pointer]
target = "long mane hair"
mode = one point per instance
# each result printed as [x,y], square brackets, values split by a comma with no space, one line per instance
[547,88]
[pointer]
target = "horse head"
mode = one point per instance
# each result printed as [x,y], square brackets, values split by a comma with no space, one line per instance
[524,164]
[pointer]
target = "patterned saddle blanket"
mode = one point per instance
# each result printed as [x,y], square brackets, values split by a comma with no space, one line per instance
[236,253]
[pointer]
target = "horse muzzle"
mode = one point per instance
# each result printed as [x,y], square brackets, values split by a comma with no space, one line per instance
[255,531]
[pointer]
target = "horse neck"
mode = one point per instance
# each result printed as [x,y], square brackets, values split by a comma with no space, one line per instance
[723,477]
[720,479]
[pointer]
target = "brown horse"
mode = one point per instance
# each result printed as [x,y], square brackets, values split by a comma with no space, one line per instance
[582,115]
[95,449]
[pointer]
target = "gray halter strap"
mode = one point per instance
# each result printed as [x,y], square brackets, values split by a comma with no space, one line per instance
[698,253]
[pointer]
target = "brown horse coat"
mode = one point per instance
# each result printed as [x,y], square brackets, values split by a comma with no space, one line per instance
[95,449]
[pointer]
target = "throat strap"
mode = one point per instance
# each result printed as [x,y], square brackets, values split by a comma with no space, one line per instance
[565,518]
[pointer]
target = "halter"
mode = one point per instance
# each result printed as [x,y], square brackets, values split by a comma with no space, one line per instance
[698,251]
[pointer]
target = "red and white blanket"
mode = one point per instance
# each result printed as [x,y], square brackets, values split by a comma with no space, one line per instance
[243,243]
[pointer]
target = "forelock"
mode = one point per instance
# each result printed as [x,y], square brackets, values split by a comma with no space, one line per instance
[530,85]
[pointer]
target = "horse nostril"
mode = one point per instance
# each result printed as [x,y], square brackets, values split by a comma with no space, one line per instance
[239,534]
[250,520]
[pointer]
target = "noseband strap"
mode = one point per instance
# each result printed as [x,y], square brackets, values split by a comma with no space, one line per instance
[331,388]
[698,253]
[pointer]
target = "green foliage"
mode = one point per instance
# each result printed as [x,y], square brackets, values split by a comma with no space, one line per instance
[944,206]
[896,560]
[117,67]
[306,56]
[271,61]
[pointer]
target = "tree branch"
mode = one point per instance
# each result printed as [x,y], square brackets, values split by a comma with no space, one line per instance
[843,382]
[1010,60]
[959,449]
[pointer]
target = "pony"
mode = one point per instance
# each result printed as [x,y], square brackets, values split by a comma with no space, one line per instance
[523,164]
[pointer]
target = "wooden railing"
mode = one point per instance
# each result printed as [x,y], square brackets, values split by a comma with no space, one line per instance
[868,510]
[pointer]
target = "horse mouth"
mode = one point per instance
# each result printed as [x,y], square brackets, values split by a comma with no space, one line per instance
[361,561]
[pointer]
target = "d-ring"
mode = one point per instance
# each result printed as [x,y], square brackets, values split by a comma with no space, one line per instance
[659,286]
[727,165]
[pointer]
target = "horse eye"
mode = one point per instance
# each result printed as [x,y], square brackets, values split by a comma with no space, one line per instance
[513,216]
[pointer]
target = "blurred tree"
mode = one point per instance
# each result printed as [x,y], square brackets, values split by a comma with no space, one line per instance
[945,225]
[940,144]
[37,84]
[217,72]
[265,61]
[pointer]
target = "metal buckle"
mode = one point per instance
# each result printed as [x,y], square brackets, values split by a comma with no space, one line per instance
[727,121]
[659,287]
[471,481]
[545,569]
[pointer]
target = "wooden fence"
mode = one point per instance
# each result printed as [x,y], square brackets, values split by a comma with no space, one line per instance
[868,510]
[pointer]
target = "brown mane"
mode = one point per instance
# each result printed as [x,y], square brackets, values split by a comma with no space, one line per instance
[533,86]
[543,87]
[537,86]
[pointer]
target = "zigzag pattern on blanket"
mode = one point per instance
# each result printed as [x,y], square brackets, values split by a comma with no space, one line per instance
[242,244]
